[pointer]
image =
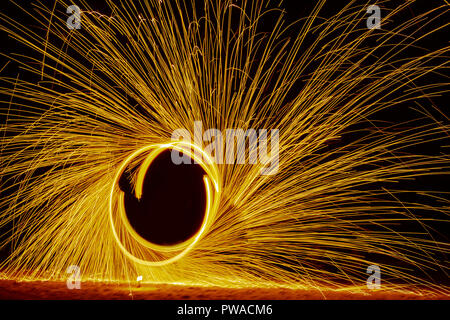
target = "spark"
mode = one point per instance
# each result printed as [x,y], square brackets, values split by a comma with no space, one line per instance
[315,224]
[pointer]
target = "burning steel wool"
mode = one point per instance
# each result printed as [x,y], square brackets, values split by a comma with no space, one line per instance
[102,167]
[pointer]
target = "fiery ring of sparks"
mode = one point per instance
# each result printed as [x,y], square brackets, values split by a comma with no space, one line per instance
[212,188]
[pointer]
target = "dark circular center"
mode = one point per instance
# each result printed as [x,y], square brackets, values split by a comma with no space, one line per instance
[173,201]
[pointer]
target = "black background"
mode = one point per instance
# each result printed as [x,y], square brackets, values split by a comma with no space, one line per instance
[294,10]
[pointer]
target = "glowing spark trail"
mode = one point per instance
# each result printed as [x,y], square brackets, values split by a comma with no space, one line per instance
[112,92]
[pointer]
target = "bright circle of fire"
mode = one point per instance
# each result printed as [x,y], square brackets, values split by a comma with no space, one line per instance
[212,188]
